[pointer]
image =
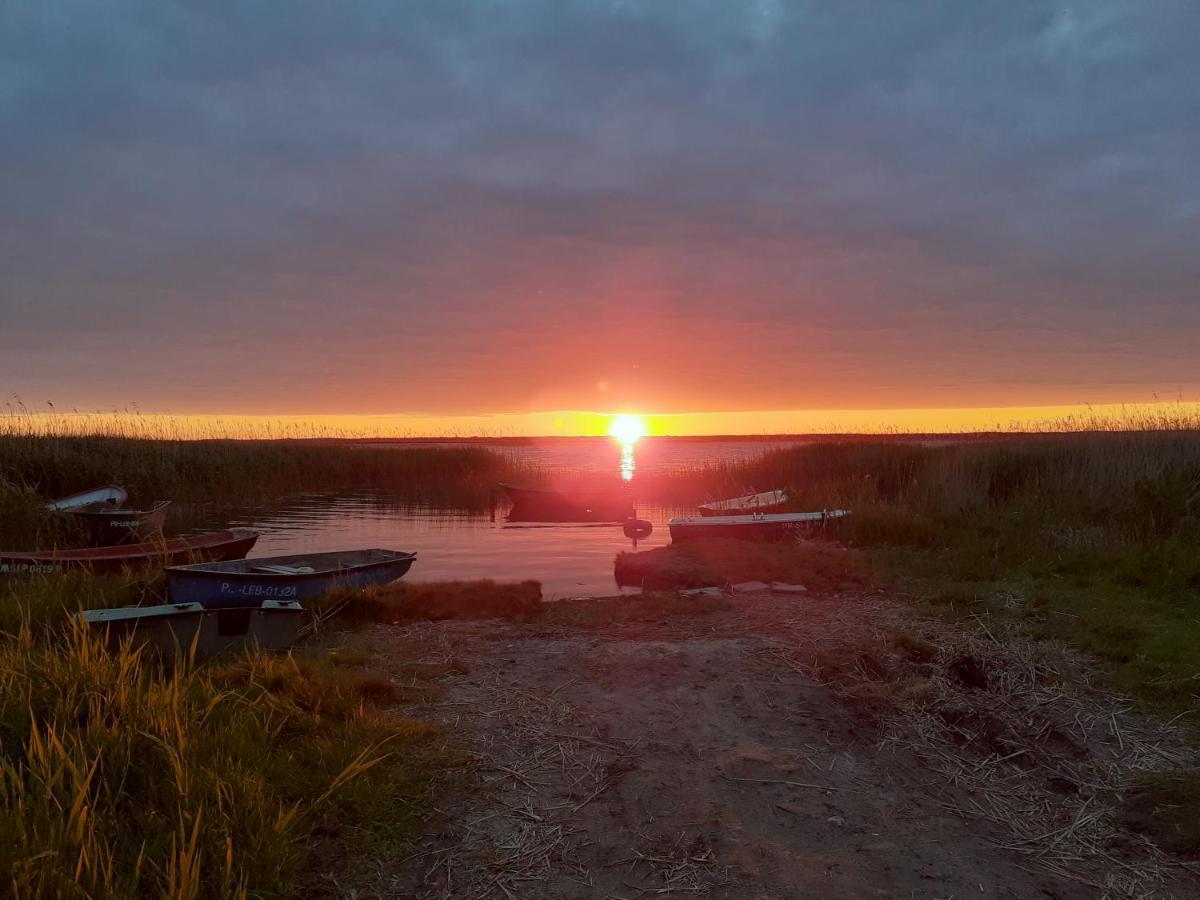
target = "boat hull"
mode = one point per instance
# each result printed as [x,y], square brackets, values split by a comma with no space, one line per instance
[108,525]
[777,527]
[765,503]
[173,629]
[541,505]
[238,585]
[109,495]
[219,545]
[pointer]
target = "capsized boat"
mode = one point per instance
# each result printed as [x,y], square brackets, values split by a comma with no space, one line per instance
[109,524]
[233,543]
[769,527]
[766,502]
[550,505]
[250,581]
[172,628]
[109,495]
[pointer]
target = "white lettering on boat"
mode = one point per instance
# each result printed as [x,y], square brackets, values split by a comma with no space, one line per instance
[259,590]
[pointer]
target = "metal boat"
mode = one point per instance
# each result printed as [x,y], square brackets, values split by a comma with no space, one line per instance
[175,627]
[551,505]
[114,525]
[109,495]
[248,582]
[233,543]
[766,502]
[769,527]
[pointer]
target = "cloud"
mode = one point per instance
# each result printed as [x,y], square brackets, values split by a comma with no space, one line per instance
[478,206]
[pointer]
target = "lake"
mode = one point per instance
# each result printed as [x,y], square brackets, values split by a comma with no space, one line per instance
[570,560]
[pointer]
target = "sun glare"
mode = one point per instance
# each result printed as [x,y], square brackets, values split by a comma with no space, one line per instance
[627,429]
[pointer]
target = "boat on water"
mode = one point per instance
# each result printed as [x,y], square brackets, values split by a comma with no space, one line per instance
[110,524]
[108,495]
[767,527]
[766,502]
[174,627]
[248,582]
[551,505]
[233,543]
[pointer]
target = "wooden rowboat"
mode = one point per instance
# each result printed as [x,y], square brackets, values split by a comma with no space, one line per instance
[109,495]
[232,544]
[770,527]
[172,629]
[549,505]
[766,502]
[248,582]
[113,525]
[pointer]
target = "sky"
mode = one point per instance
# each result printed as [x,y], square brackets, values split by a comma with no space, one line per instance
[455,210]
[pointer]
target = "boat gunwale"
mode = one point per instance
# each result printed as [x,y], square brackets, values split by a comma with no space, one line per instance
[209,570]
[137,552]
[157,507]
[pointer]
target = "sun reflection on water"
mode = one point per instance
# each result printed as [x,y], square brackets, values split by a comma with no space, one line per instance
[628,464]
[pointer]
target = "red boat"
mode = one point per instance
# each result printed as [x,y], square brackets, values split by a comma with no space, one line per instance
[215,546]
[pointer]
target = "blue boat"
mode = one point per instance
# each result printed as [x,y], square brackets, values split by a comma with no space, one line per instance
[248,582]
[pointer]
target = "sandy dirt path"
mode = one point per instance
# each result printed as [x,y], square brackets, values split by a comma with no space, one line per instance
[715,755]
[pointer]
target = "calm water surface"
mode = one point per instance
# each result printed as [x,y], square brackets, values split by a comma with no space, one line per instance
[570,560]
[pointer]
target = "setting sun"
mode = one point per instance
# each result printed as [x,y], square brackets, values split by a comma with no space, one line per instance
[627,428]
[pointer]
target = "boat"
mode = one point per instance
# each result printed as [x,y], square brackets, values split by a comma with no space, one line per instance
[234,543]
[174,628]
[109,524]
[550,505]
[766,502]
[248,582]
[767,527]
[109,495]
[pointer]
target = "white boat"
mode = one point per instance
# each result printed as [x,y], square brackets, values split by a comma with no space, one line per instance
[766,502]
[172,628]
[767,527]
[109,495]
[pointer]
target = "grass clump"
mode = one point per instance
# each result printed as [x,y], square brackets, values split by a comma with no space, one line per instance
[433,601]
[120,777]
[818,565]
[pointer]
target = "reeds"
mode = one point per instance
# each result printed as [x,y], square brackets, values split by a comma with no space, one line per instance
[121,776]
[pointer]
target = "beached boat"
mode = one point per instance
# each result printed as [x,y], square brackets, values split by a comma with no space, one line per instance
[109,495]
[550,505]
[174,628]
[234,543]
[114,525]
[766,502]
[249,581]
[769,527]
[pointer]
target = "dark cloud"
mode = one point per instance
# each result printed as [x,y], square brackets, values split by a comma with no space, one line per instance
[476,206]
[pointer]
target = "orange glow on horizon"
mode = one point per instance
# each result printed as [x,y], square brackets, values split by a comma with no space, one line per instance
[570,423]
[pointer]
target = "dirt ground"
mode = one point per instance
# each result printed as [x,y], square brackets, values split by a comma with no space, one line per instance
[767,746]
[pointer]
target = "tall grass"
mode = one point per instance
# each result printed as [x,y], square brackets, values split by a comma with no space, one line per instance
[1092,537]
[121,776]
